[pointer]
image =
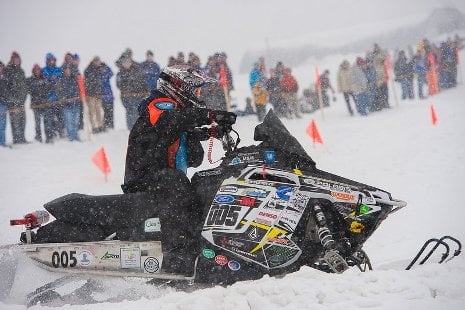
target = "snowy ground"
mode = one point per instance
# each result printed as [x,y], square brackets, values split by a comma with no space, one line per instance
[397,150]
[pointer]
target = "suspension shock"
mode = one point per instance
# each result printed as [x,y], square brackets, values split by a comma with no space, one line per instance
[331,257]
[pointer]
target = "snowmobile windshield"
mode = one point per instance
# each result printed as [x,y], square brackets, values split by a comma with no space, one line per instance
[274,134]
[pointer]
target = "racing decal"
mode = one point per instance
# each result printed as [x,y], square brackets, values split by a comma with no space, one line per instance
[109,255]
[152,225]
[130,257]
[228,189]
[151,265]
[343,196]
[253,234]
[85,258]
[224,199]
[223,216]
[281,255]
[270,157]
[247,201]
[327,185]
[64,259]
[209,173]
[254,192]
[284,192]
[234,265]
[225,241]
[165,105]
[356,227]
[364,209]
[221,260]
[208,253]
[235,161]
[299,201]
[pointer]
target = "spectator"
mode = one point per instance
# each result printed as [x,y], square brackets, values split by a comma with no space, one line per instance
[171,61]
[260,97]
[370,74]
[344,84]
[152,71]
[325,85]
[194,62]
[3,104]
[360,86]
[94,92]
[403,71]
[256,76]
[212,93]
[381,96]
[289,88]
[132,82]
[274,92]
[107,96]
[17,91]
[180,60]
[70,99]
[52,73]
[38,87]
[419,61]
[310,103]
[222,59]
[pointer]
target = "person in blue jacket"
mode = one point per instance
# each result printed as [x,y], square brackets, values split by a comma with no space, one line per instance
[70,100]
[152,70]
[53,74]
[256,75]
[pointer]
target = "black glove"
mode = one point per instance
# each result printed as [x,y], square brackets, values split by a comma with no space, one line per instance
[224,117]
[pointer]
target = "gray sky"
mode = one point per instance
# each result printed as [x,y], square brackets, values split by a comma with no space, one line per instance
[107,27]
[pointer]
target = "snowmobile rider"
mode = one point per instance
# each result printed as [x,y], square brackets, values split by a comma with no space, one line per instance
[162,144]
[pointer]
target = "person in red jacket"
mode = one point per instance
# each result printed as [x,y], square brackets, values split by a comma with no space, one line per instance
[289,88]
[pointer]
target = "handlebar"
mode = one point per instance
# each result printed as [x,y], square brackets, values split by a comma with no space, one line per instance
[220,132]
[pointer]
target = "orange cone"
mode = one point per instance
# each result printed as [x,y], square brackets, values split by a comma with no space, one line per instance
[101,161]
[313,132]
[434,117]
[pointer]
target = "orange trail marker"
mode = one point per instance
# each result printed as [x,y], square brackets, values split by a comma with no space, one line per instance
[434,117]
[101,161]
[312,131]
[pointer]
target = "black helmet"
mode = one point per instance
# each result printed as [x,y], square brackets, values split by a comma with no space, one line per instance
[182,83]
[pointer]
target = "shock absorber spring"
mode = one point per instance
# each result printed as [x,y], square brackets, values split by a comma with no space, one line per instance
[326,238]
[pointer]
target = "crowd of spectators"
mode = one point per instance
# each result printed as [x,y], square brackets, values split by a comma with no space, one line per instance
[62,98]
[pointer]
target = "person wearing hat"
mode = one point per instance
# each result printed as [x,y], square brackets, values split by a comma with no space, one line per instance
[152,71]
[93,77]
[132,82]
[38,88]
[53,74]
[3,104]
[17,90]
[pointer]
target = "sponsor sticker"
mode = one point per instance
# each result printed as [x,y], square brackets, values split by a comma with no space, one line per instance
[109,255]
[221,260]
[364,209]
[253,234]
[209,173]
[165,105]
[270,157]
[342,196]
[236,161]
[151,264]
[224,199]
[234,265]
[256,193]
[130,257]
[228,189]
[356,227]
[208,253]
[247,201]
[152,225]
[85,258]
[284,192]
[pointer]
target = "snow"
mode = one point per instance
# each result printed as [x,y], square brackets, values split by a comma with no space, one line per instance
[398,150]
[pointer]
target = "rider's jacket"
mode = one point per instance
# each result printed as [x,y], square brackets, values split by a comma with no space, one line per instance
[160,139]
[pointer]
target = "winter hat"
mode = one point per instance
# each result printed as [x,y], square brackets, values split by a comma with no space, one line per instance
[149,53]
[35,68]
[49,56]
[75,57]
[15,54]
[360,61]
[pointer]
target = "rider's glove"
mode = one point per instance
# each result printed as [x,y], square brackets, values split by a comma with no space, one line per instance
[224,117]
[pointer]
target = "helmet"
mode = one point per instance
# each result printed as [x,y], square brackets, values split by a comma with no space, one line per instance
[182,83]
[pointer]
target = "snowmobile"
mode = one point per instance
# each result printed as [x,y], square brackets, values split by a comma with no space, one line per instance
[267,210]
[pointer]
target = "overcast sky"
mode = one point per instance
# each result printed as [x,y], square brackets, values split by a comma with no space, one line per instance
[107,27]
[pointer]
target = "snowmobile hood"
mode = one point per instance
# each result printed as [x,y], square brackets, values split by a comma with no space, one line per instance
[274,134]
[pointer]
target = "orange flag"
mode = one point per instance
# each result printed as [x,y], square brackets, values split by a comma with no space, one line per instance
[101,161]
[434,117]
[313,132]
[82,88]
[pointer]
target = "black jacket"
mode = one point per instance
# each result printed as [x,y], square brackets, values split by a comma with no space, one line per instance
[16,85]
[147,152]
[38,88]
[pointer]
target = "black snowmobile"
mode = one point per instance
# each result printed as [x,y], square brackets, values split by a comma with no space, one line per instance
[267,211]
